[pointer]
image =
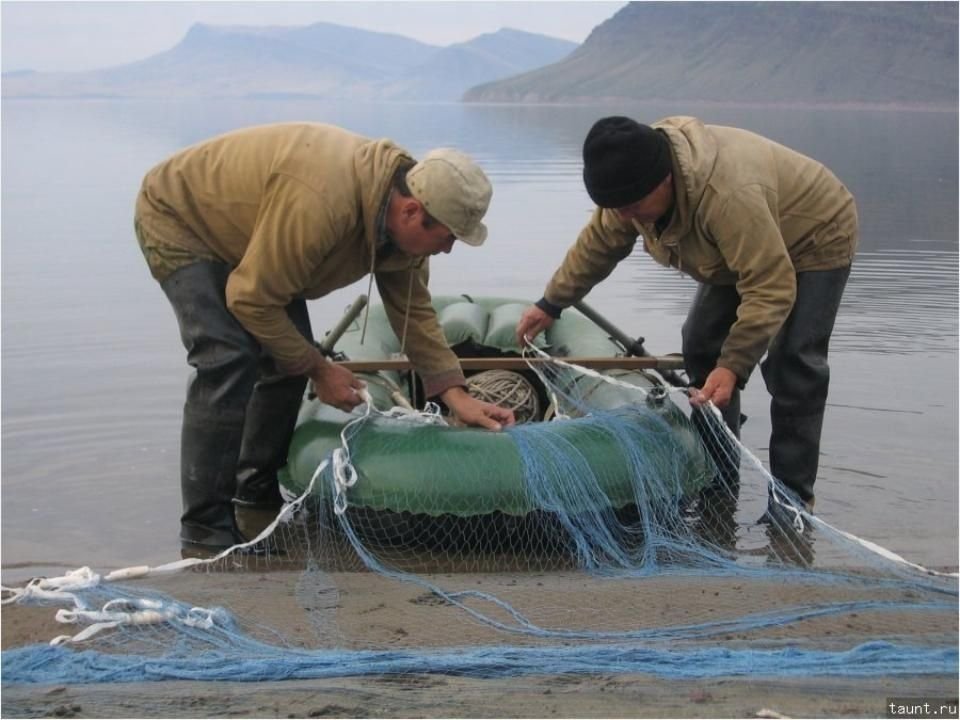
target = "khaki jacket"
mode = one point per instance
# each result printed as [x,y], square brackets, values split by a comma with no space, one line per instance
[296,209]
[747,212]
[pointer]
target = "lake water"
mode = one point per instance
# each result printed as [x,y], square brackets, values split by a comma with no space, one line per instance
[93,372]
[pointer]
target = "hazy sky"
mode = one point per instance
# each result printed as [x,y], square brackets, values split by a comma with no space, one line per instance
[66,36]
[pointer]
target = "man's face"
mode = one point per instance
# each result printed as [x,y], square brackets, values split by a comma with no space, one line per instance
[652,206]
[422,241]
[411,234]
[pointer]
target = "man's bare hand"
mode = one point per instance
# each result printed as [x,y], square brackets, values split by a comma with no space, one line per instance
[533,322]
[718,387]
[478,413]
[337,386]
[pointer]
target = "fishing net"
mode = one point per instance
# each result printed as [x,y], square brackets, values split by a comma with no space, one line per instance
[637,536]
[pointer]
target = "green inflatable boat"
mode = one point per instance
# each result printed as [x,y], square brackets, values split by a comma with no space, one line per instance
[437,469]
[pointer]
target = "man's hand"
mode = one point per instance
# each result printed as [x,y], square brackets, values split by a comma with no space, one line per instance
[471,411]
[533,322]
[337,386]
[718,387]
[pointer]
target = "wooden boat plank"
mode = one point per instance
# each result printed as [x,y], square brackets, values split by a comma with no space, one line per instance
[666,362]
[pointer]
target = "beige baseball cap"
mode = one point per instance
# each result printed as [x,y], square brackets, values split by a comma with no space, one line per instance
[454,190]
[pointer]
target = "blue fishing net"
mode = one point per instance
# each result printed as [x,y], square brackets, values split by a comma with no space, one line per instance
[628,546]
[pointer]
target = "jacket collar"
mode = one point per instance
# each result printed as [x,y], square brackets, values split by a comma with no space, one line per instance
[694,154]
[375,163]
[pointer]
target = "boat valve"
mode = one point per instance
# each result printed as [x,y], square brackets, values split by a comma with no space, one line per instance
[656,396]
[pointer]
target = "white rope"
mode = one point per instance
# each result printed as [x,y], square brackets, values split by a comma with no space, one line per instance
[130,611]
[583,370]
[57,589]
[508,389]
[62,589]
[143,611]
[882,551]
[140,611]
[148,612]
[799,514]
[344,473]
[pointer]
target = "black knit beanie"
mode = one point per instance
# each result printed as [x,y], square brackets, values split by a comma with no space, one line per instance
[623,161]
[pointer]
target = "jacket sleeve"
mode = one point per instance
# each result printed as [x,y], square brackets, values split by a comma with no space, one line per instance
[748,237]
[292,236]
[418,327]
[602,243]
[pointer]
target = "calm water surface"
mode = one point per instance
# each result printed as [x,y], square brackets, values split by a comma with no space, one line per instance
[93,372]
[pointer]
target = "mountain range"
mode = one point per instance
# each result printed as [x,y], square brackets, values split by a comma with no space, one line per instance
[803,53]
[323,59]
[833,53]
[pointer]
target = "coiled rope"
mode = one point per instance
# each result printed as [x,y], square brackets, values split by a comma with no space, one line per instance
[509,390]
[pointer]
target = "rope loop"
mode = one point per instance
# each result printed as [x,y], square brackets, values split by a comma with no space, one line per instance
[344,473]
[343,470]
[200,617]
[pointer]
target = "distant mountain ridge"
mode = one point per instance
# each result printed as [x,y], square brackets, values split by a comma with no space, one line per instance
[755,52]
[322,59]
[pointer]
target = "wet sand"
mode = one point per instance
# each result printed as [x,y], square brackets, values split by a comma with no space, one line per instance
[434,696]
[370,611]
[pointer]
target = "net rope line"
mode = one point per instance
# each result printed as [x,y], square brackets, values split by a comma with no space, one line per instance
[519,623]
[142,611]
[138,611]
[49,665]
[800,514]
[114,613]
[525,626]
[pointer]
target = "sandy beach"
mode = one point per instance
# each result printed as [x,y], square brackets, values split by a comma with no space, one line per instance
[432,696]
[369,611]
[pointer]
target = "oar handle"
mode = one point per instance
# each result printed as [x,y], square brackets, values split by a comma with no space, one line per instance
[353,312]
[631,345]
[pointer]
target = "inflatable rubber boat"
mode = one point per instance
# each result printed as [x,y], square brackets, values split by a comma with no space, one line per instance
[433,468]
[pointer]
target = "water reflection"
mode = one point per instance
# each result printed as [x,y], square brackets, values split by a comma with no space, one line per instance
[900,301]
[896,301]
[93,371]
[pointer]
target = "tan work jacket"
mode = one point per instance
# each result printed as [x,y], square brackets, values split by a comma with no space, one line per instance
[296,210]
[747,212]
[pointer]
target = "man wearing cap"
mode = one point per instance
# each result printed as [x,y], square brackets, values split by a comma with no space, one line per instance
[239,231]
[768,233]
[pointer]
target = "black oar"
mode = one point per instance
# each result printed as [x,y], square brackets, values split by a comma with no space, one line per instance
[630,345]
[331,338]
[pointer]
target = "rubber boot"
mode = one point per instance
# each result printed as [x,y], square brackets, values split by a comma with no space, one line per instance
[795,451]
[798,378]
[209,445]
[224,357]
[270,420]
[271,417]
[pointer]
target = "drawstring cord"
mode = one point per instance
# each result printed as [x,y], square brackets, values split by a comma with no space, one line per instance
[366,314]
[406,313]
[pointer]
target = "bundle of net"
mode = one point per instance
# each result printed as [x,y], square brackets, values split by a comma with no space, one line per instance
[638,535]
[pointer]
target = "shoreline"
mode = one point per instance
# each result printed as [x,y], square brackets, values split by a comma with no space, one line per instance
[566,102]
[441,696]
[751,104]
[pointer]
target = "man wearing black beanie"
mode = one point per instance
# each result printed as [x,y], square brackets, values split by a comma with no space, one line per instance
[769,234]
